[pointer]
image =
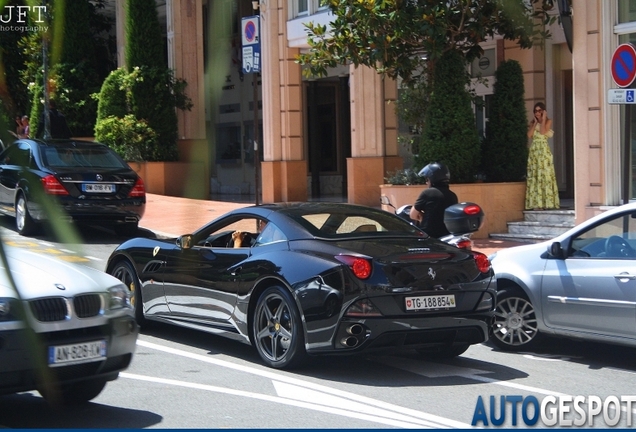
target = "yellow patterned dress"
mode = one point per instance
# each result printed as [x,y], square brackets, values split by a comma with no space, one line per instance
[542,191]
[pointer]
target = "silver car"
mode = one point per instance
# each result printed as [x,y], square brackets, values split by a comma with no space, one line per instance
[66,331]
[581,284]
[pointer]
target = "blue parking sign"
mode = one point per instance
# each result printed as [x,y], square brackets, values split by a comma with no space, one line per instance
[250,35]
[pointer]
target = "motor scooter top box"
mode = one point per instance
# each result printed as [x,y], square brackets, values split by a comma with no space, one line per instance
[464,217]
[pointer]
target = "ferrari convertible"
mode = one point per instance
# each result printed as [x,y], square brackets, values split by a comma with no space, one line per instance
[299,279]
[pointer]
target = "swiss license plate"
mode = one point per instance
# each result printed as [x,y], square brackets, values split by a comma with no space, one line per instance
[77,353]
[98,188]
[430,302]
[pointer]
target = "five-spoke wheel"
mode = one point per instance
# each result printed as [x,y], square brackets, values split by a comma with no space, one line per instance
[277,329]
[515,325]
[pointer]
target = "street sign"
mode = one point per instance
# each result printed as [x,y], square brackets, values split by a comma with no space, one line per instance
[621,96]
[624,65]
[251,44]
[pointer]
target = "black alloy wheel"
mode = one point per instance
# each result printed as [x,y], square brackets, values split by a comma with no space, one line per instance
[277,329]
[125,272]
[515,324]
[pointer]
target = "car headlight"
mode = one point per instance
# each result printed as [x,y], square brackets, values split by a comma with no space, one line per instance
[119,297]
[8,309]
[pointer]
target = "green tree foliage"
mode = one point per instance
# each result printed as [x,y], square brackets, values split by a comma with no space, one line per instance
[505,151]
[126,126]
[13,94]
[449,134]
[144,45]
[132,139]
[112,99]
[79,59]
[152,91]
[402,38]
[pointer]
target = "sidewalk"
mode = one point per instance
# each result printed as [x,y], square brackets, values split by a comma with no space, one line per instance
[172,216]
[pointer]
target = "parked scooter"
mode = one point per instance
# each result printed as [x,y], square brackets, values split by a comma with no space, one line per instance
[461,220]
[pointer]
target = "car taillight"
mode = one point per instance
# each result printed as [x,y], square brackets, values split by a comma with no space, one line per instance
[360,267]
[482,261]
[138,190]
[52,186]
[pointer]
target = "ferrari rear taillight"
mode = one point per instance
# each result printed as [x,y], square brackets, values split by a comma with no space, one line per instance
[482,261]
[52,186]
[138,190]
[361,267]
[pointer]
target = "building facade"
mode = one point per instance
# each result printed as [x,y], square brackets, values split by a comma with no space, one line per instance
[337,136]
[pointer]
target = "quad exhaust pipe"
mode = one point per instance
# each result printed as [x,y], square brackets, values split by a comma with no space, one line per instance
[357,334]
[349,342]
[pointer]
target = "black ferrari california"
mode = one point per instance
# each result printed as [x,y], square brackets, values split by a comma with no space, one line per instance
[298,279]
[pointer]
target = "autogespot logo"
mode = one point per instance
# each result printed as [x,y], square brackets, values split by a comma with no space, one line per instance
[560,411]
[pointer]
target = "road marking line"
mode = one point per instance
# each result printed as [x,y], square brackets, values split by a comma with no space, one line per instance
[280,400]
[442,422]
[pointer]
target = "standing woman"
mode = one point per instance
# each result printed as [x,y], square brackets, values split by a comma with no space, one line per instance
[26,127]
[541,188]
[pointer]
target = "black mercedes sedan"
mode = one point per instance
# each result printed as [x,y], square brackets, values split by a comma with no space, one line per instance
[89,181]
[298,279]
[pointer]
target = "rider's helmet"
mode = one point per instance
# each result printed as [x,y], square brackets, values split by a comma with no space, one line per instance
[435,172]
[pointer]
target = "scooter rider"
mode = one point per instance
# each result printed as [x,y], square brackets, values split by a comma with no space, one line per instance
[429,208]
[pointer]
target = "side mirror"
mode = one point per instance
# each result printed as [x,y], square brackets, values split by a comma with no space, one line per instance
[384,200]
[185,241]
[555,250]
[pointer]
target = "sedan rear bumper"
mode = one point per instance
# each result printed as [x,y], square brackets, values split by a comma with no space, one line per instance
[83,211]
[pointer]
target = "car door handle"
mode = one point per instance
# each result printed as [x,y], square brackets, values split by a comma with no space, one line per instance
[625,276]
[236,271]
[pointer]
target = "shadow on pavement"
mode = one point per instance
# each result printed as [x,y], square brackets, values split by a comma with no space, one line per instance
[29,410]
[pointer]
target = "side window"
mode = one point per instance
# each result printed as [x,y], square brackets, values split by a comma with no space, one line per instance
[270,234]
[17,155]
[23,155]
[612,239]
[241,232]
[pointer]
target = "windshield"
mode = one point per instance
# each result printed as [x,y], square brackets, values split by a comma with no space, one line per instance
[93,156]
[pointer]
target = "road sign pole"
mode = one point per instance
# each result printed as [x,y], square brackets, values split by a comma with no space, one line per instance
[257,162]
[626,153]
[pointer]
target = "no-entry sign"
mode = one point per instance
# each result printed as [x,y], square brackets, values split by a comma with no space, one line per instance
[624,65]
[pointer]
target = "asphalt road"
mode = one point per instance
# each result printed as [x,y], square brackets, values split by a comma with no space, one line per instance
[182,378]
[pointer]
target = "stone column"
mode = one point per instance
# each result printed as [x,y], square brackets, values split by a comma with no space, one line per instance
[284,168]
[374,148]
[120,32]
[185,42]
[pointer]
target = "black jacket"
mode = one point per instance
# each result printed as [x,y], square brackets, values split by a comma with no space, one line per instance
[432,202]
